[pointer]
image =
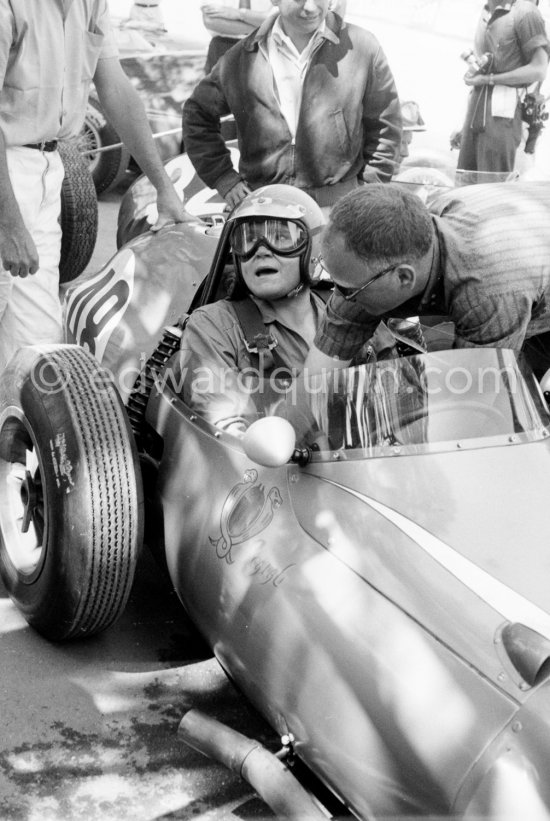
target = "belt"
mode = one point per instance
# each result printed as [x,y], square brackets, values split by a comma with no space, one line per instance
[45,145]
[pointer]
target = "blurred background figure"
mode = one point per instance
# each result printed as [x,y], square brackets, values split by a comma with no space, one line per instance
[146,14]
[338,6]
[229,22]
[511,51]
[412,121]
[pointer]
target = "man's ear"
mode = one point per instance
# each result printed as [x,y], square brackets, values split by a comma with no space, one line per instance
[407,276]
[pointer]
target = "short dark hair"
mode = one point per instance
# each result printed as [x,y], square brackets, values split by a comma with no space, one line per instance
[382,221]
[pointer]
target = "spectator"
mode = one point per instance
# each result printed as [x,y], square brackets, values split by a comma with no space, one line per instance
[146,15]
[334,117]
[268,322]
[427,174]
[481,258]
[513,34]
[230,22]
[412,122]
[48,57]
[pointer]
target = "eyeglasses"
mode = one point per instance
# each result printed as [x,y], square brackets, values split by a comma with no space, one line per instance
[281,236]
[350,293]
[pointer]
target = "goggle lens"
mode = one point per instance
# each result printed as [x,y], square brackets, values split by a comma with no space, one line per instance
[281,236]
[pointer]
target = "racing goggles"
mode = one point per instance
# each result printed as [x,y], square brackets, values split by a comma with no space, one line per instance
[283,237]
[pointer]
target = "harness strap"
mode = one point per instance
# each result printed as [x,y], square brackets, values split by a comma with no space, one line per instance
[260,343]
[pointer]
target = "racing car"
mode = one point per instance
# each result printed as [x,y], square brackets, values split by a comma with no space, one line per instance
[380,596]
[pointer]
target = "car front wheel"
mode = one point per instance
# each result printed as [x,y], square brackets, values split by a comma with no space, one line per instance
[70,492]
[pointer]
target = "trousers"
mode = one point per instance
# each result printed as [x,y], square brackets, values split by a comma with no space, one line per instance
[30,309]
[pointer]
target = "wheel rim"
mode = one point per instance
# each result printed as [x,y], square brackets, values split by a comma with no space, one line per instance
[88,140]
[23,510]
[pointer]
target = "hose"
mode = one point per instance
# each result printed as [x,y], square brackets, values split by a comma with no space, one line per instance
[268,776]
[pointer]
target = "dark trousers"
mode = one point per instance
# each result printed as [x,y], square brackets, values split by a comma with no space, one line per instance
[488,143]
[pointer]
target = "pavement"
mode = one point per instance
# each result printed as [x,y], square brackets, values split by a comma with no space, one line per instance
[89,729]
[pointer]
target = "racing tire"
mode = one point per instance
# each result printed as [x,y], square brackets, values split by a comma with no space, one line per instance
[78,493]
[79,215]
[108,167]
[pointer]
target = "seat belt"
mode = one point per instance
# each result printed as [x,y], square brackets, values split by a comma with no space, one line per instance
[259,342]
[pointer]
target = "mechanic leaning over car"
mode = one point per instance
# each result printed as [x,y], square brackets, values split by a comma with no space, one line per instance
[481,257]
[264,327]
[49,53]
[333,122]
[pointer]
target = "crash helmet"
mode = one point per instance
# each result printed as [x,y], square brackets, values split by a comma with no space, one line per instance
[284,219]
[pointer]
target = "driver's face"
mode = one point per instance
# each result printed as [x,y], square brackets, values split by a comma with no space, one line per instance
[269,276]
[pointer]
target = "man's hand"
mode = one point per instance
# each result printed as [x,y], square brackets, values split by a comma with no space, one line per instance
[476,79]
[455,138]
[237,194]
[17,249]
[170,209]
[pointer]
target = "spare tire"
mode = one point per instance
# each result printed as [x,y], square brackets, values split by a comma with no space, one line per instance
[106,167]
[78,213]
[71,501]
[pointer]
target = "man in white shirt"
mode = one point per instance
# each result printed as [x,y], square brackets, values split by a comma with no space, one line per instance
[314,102]
[49,54]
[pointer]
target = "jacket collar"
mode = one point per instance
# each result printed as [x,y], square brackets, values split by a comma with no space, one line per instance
[334,26]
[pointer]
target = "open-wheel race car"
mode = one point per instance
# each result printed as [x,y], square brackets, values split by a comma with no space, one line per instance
[369,563]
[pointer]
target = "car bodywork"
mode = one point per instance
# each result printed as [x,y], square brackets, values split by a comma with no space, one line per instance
[381,597]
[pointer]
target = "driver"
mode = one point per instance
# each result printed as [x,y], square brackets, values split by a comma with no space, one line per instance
[263,329]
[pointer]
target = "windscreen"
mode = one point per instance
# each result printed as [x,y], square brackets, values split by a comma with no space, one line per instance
[458,398]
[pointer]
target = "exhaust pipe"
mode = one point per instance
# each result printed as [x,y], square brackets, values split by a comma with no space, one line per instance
[265,773]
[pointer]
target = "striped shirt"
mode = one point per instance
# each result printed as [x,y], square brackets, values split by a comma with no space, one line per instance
[491,272]
[511,33]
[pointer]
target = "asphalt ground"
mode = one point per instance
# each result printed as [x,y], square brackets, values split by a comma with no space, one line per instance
[89,729]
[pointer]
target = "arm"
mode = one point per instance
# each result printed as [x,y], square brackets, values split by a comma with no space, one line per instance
[533,72]
[231,22]
[211,371]
[124,109]
[342,333]
[381,122]
[18,252]
[202,134]
[495,322]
